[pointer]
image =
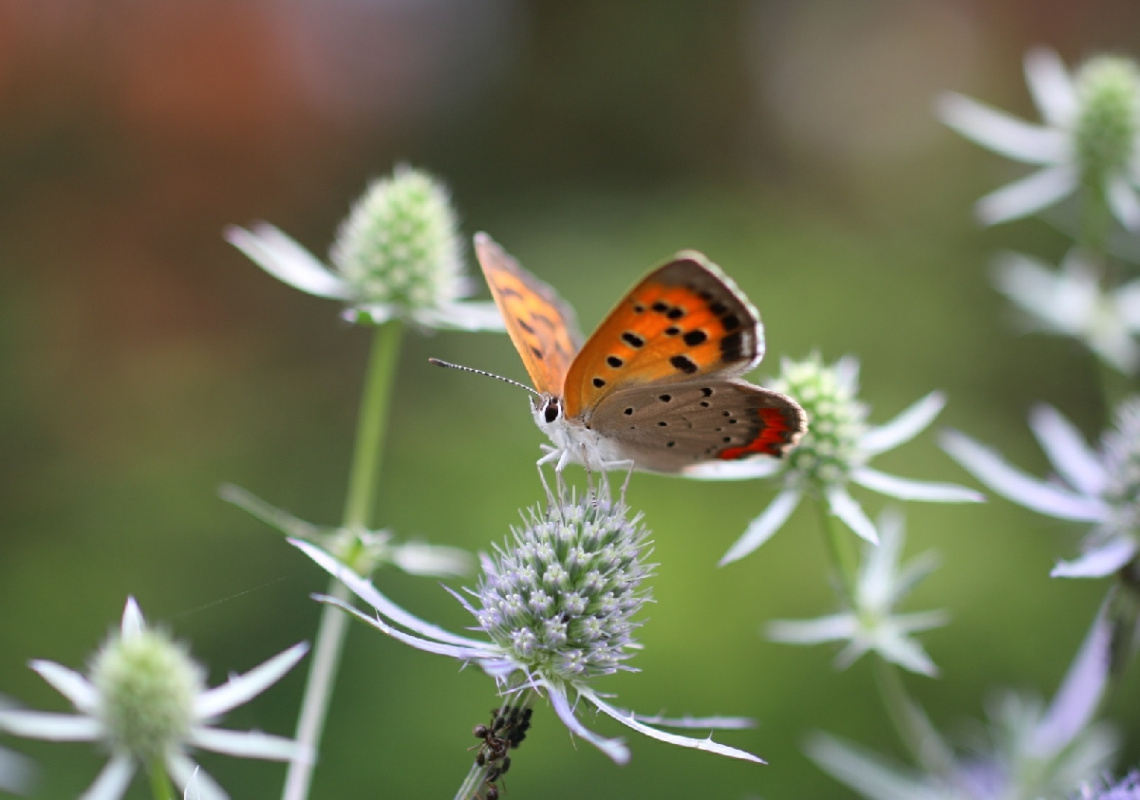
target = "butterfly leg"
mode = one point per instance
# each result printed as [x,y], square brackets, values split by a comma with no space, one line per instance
[628,475]
[546,486]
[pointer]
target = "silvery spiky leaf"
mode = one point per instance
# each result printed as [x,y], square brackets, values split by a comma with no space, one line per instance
[145,701]
[1089,137]
[1099,488]
[397,255]
[557,603]
[833,453]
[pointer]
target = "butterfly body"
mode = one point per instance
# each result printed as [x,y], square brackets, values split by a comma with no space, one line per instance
[657,385]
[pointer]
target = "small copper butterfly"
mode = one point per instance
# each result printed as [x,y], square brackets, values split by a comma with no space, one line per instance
[656,386]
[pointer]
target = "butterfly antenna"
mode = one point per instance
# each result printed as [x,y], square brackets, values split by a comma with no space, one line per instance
[482,372]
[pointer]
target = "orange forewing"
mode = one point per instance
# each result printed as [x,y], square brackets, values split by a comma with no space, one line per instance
[542,326]
[682,321]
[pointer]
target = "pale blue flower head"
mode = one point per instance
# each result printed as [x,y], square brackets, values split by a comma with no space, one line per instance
[146,702]
[556,602]
[1025,750]
[1097,487]
[874,624]
[1090,137]
[397,255]
[833,453]
[1071,302]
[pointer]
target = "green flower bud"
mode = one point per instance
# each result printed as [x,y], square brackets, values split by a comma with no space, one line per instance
[1108,91]
[400,244]
[146,686]
[828,450]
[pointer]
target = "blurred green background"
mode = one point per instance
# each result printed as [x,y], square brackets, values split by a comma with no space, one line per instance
[143,361]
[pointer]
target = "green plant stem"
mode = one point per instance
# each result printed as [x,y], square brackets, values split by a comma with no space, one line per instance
[372,424]
[372,427]
[844,562]
[477,776]
[911,724]
[160,786]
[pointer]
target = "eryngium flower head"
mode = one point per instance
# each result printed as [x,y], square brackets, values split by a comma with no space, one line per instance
[1090,137]
[556,601]
[1097,487]
[146,685]
[832,453]
[398,254]
[146,701]
[559,596]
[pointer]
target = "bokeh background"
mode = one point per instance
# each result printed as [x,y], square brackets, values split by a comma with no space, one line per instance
[143,361]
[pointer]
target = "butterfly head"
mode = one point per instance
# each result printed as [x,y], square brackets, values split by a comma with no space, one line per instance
[548,410]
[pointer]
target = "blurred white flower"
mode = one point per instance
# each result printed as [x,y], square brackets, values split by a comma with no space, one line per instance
[1101,488]
[1089,138]
[145,701]
[833,452]
[1070,302]
[397,255]
[873,623]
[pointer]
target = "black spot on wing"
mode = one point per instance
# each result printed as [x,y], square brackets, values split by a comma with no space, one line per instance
[684,364]
[696,337]
[732,346]
[632,339]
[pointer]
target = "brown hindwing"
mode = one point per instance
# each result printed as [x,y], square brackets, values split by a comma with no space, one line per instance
[666,428]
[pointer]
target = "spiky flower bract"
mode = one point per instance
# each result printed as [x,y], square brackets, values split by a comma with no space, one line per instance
[1098,487]
[557,602]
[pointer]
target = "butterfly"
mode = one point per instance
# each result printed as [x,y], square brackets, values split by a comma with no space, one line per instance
[656,387]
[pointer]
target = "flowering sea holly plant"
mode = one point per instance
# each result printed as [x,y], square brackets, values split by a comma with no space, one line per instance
[833,453]
[873,624]
[556,604]
[1098,487]
[363,549]
[1071,302]
[401,224]
[1027,750]
[146,702]
[1088,139]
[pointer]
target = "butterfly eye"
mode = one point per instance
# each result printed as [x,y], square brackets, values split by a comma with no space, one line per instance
[552,411]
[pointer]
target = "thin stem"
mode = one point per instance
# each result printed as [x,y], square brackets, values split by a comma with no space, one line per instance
[372,424]
[844,563]
[910,722]
[372,427]
[493,752]
[160,786]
